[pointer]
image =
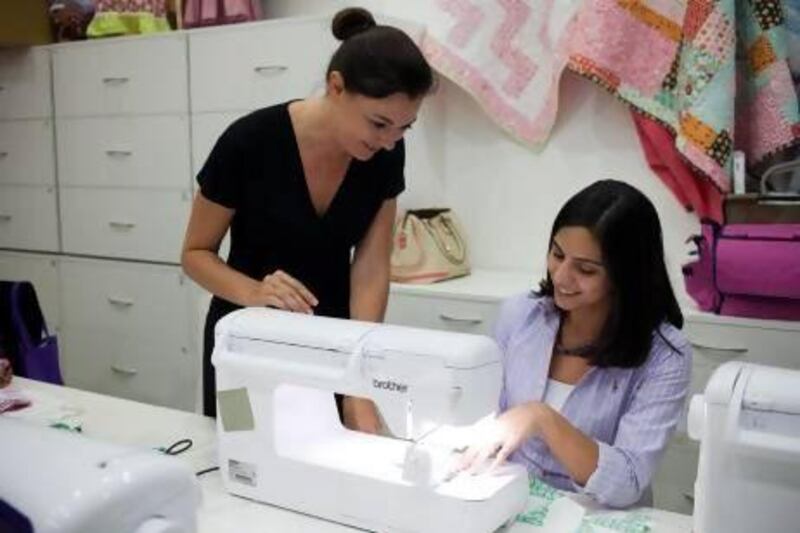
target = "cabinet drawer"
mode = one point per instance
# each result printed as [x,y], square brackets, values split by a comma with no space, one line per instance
[25,83]
[673,483]
[42,271]
[135,224]
[127,331]
[124,152]
[206,129]
[259,64]
[716,343]
[28,218]
[450,314]
[137,75]
[26,152]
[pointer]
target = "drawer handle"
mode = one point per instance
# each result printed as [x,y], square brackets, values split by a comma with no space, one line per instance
[124,371]
[122,225]
[718,348]
[116,80]
[3,155]
[5,218]
[270,69]
[112,153]
[120,302]
[460,320]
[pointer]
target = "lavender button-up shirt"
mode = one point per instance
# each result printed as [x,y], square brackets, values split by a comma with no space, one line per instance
[630,412]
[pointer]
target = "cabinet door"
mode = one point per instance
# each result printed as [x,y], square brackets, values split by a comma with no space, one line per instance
[25,83]
[42,271]
[141,75]
[135,224]
[673,484]
[128,331]
[147,152]
[26,152]
[466,316]
[254,66]
[206,129]
[718,341]
[28,218]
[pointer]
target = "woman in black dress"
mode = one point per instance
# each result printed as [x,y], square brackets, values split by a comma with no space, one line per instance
[307,189]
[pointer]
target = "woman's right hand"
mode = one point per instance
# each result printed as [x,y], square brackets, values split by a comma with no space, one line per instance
[282,291]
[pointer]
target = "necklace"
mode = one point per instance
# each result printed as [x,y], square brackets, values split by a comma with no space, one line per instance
[582,350]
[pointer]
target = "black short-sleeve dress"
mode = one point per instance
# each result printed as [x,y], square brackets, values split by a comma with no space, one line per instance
[255,168]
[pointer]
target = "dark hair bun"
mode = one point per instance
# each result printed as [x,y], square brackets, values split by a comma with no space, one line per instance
[351,21]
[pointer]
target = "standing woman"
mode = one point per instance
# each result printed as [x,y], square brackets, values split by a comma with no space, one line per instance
[308,190]
[595,367]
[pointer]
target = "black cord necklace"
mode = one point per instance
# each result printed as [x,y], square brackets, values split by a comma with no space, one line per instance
[582,350]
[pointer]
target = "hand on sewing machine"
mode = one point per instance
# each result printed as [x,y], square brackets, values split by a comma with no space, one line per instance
[281,290]
[500,437]
[360,414]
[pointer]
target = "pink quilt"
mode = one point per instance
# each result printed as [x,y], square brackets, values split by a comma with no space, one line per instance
[672,60]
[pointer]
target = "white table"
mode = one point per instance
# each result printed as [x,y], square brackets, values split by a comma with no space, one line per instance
[132,423]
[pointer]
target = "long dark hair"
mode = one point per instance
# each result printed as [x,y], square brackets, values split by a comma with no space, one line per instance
[626,226]
[375,60]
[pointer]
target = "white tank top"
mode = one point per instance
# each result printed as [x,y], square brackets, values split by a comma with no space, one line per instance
[556,393]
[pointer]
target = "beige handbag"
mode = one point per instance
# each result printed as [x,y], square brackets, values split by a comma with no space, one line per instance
[428,246]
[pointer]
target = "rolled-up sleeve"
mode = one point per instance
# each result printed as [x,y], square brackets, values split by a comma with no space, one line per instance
[626,467]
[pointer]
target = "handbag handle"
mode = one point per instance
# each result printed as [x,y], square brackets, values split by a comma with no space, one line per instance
[438,241]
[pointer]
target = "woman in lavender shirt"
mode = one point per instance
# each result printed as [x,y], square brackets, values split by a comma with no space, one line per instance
[596,368]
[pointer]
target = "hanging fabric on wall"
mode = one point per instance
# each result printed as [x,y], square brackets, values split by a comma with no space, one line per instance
[695,192]
[127,17]
[213,12]
[508,54]
[674,60]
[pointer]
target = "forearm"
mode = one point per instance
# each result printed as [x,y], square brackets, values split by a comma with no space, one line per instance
[369,292]
[210,272]
[576,452]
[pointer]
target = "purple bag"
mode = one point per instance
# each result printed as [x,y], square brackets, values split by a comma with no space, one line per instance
[36,359]
[748,270]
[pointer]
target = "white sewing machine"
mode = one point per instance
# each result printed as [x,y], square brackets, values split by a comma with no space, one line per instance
[748,477]
[281,442]
[55,481]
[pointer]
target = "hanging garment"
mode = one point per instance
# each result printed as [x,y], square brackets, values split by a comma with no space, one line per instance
[126,17]
[213,12]
[695,192]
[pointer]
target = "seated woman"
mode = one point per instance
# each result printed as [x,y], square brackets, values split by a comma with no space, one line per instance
[596,368]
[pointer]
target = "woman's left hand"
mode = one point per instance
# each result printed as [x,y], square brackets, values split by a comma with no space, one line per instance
[505,434]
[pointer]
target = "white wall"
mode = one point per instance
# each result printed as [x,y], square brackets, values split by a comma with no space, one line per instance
[507,194]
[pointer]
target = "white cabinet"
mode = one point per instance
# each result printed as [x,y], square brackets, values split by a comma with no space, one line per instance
[25,83]
[137,151]
[121,76]
[26,152]
[42,271]
[128,330]
[252,66]
[122,122]
[125,223]
[28,205]
[28,218]
[468,305]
